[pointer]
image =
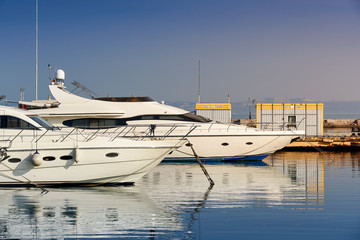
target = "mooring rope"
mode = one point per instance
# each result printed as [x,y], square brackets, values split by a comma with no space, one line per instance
[201,165]
[315,147]
[43,192]
[318,149]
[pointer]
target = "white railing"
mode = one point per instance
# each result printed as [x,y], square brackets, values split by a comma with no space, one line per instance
[278,126]
[135,132]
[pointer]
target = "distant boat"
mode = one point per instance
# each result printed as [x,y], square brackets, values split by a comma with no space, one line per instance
[34,153]
[212,141]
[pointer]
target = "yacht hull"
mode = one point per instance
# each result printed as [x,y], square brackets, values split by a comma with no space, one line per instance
[231,147]
[85,163]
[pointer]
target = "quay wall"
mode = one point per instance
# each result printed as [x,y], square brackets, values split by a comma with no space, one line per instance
[332,127]
[339,134]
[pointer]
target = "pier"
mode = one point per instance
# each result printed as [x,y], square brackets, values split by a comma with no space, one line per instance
[339,135]
[325,143]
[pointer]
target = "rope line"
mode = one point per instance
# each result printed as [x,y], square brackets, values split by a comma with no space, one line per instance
[44,191]
[201,165]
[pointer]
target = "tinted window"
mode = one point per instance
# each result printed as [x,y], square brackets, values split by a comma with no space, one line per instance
[108,123]
[94,123]
[13,122]
[42,122]
[188,117]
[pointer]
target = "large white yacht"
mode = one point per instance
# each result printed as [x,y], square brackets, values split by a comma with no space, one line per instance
[33,152]
[212,141]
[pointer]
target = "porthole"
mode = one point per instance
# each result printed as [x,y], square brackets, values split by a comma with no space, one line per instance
[14,160]
[66,157]
[111,155]
[249,143]
[49,158]
[225,144]
[170,152]
[188,144]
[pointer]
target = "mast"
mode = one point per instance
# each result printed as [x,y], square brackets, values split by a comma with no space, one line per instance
[199,83]
[36,50]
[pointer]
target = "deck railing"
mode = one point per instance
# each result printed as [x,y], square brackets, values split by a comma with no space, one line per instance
[135,132]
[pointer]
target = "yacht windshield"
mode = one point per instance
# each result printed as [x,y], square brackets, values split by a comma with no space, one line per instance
[196,118]
[45,124]
[188,117]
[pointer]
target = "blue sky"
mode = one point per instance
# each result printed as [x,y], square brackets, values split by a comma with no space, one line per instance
[247,48]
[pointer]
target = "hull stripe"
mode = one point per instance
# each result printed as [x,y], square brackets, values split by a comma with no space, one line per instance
[218,159]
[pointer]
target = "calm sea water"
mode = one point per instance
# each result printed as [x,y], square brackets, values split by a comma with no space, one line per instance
[290,195]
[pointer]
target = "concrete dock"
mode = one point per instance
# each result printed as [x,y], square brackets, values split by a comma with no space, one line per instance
[326,143]
[339,135]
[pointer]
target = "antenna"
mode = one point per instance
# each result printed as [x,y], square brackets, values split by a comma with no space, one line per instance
[22,94]
[83,89]
[199,83]
[49,67]
[36,54]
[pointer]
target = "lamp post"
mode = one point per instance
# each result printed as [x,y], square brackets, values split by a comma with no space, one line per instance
[250,103]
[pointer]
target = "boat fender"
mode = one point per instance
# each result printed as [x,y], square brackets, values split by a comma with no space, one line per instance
[76,155]
[3,154]
[36,159]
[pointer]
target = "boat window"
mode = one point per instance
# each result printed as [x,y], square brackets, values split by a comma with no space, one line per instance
[188,117]
[14,122]
[94,123]
[49,158]
[196,118]
[14,160]
[42,122]
[108,123]
[112,154]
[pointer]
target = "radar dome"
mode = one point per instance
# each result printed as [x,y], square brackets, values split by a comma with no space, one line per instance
[60,74]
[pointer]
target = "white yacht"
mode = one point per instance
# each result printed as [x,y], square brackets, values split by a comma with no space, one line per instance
[212,141]
[33,152]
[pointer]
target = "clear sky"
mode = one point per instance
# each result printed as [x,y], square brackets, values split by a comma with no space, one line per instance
[247,48]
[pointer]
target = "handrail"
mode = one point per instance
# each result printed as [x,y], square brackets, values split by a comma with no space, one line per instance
[277,125]
[133,127]
[8,146]
[118,134]
[41,136]
[135,132]
[210,127]
[165,131]
[191,129]
[170,131]
[68,135]
[87,139]
[18,134]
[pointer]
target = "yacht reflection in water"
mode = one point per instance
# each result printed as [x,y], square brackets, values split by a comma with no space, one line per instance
[168,201]
[284,179]
[78,212]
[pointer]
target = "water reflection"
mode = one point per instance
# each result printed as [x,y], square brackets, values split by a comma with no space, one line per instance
[167,202]
[287,179]
[74,212]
